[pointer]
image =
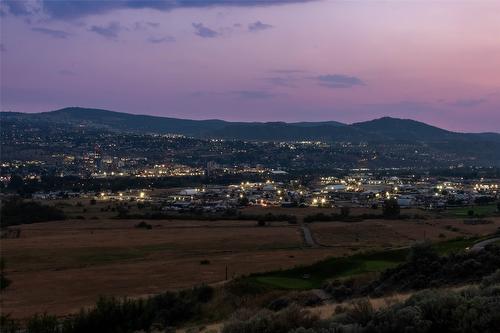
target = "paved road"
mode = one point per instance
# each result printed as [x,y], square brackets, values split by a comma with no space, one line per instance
[308,238]
[481,245]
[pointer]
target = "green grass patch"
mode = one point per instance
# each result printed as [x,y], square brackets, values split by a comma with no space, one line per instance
[286,283]
[483,210]
[455,245]
[313,276]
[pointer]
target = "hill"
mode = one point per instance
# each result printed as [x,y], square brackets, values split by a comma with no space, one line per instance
[386,135]
[379,129]
[127,122]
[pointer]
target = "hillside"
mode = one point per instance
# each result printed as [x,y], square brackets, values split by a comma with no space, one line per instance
[407,141]
[375,130]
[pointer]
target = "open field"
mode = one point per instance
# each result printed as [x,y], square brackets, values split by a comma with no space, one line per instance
[394,233]
[483,210]
[380,244]
[62,266]
[302,212]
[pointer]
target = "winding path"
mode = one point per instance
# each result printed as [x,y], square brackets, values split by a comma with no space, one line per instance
[308,237]
[481,245]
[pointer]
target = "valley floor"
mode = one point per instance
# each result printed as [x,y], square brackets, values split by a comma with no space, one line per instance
[60,267]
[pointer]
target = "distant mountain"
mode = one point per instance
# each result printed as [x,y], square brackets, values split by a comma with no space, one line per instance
[131,122]
[119,121]
[403,139]
[378,130]
[403,129]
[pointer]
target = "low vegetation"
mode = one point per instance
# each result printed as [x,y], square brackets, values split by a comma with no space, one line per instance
[17,211]
[391,210]
[424,268]
[476,211]
[315,276]
[4,281]
[230,214]
[472,310]
[121,315]
[267,321]
[256,308]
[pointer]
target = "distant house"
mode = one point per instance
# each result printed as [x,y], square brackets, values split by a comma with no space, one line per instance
[189,191]
[406,200]
[335,187]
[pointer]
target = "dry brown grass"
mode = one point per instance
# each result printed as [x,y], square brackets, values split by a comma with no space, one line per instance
[59,267]
[391,233]
[62,266]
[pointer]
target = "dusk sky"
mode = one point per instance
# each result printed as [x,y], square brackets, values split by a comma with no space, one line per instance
[433,61]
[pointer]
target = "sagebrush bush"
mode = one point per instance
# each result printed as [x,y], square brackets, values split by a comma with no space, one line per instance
[266,321]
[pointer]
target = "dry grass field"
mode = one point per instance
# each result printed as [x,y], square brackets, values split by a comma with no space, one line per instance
[59,267]
[394,233]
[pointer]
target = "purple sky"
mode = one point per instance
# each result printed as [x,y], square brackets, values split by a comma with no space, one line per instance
[249,60]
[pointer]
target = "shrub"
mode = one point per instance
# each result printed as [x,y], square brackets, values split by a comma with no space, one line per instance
[8,325]
[491,279]
[391,208]
[279,304]
[42,324]
[422,252]
[472,310]
[339,290]
[425,269]
[143,225]
[265,321]
[122,315]
[15,211]
[345,211]
[405,319]
[361,312]
[242,287]
[4,282]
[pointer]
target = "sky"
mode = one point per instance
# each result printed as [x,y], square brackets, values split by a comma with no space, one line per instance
[257,60]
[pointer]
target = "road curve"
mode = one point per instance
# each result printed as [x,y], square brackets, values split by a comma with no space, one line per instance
[481,245]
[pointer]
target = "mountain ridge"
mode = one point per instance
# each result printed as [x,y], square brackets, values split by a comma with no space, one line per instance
[380,129]
[386,135]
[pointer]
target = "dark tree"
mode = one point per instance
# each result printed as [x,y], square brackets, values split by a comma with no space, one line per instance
[422,252]
[391,208]
[345,211]
[17,211]
[243,201]
[4,282]
[16,183]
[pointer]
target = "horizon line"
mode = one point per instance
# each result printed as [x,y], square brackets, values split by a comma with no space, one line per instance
[250,122]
